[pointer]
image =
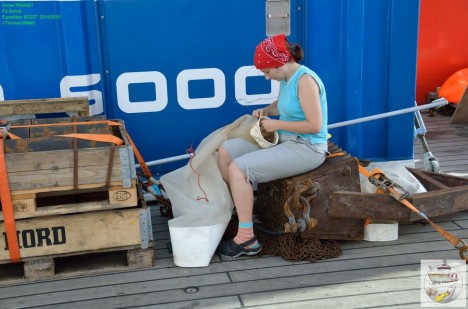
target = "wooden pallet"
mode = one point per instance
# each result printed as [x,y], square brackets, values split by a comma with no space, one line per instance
[76,202]
[62,202]
[43,171]
[41,164]
[77,232]
[41,156]
[75,240]
[74,265]
[79,105]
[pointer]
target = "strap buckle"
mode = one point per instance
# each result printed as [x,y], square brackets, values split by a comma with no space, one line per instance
[4,128]
[385,184]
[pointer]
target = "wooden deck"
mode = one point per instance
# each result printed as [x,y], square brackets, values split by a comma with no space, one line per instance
[366,275]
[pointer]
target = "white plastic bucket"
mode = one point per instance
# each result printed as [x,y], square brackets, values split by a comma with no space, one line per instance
[381,231]
[194,246]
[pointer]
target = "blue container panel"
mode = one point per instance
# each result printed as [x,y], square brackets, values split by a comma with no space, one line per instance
[175,71]
[366,55]
[43,41]
[192,51]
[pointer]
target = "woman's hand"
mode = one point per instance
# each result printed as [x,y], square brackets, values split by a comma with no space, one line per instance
[259,113]
[269,125]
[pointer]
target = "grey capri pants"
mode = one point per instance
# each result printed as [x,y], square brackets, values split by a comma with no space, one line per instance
[290,157]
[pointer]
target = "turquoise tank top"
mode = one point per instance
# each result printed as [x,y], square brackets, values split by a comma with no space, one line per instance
[290,109]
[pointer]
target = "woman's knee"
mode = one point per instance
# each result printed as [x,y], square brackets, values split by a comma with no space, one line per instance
[235,173]
[223,155]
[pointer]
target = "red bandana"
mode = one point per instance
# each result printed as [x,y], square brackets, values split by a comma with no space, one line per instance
[272,53]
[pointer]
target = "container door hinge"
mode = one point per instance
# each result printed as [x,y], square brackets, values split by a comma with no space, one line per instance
[278,17]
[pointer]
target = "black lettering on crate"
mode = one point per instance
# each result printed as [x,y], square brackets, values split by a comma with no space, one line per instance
[32,238]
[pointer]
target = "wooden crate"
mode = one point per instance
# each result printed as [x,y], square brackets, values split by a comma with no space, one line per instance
[73,199]
[75,265]
[80,243]
[56,245]
[74,233]
[42,166]
[78,105]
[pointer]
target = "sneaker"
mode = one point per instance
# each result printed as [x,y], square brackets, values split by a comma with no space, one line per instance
[233,250]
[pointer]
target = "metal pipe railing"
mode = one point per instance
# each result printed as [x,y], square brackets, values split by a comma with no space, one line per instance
[435,103]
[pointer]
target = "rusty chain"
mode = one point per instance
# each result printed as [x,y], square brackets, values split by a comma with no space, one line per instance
[290,246]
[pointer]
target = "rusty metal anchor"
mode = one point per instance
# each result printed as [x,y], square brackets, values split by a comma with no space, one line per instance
[303,193]
[378,178]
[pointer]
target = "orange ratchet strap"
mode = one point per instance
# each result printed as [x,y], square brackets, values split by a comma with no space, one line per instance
[109,138]
[385,185]
[95,137]
[336,154]
[7,208]
[382,182]
[13,136]
[143,166]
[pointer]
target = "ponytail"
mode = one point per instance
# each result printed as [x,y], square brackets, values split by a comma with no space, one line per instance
[296,51]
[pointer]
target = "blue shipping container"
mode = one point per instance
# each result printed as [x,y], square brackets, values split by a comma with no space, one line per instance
[174,71]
